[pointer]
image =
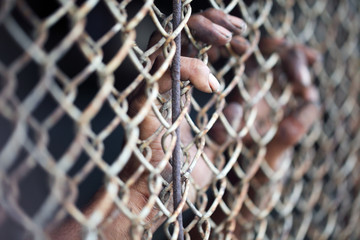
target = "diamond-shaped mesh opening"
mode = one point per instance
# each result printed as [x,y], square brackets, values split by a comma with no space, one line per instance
[86,143]
[10,50]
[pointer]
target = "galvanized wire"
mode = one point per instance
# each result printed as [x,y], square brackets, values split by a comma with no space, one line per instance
[68,75]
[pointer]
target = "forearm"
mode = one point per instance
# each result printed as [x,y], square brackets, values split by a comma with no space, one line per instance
[115,224]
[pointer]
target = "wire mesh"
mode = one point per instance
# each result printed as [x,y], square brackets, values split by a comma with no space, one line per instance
[86,133]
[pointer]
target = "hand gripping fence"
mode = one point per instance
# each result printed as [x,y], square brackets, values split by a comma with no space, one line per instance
[80,88]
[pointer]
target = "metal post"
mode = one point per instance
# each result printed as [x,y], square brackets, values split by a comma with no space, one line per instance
[175,75]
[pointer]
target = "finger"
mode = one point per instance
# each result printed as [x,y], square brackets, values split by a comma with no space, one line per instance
[295,60]
[295,65]
[311,54]
[308,94]
[232,23]
[194,70]
[208,32]
[199,75]
[233,113]
[269,45]
[239,45]
[216,28]
[291,129]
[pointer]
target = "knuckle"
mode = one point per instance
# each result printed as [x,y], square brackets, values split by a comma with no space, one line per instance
[198,67]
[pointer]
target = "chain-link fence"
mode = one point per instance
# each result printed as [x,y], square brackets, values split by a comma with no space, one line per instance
[86,137]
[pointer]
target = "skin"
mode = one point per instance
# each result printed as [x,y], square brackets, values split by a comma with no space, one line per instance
[198,73]
[295,62]
[217,29]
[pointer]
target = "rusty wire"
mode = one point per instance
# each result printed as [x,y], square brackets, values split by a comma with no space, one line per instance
[175,109]
[50,62]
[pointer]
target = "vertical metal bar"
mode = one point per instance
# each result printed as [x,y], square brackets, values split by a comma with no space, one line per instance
[175,75]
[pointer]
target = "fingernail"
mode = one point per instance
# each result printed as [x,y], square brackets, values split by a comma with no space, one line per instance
[223,31]
[213,83]
[305,75]
[237,22]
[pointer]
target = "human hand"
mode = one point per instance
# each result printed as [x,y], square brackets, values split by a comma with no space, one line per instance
[294,70]
[211,27]
[299,115]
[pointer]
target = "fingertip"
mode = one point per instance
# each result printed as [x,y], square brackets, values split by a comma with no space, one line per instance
[269,45]
[224,35]
[214,83]
[296,68]
[312,55]
[304,74]
[240,25]
[239,45]
[293,127]
[198,73]
[208,32]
